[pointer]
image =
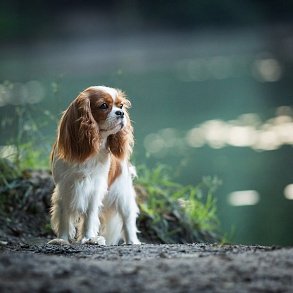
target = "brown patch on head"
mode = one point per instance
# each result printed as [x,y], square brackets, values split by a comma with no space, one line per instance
[122,100]
[78,132]
[115,170]
[121,143]
[99,98]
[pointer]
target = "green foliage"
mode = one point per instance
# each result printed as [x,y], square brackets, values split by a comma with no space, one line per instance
[8,171]
[31,158]
[170,212]
[26,145]
[175,212]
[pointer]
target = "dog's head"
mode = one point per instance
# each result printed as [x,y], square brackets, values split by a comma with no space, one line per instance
[97,115]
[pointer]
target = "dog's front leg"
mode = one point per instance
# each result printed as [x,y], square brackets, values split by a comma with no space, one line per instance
[130,230]
[61,220]
[91,224]
[129,211]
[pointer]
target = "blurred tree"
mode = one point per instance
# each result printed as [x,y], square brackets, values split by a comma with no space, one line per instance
[31,18]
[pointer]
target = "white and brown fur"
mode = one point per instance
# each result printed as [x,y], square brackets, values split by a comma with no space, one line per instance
[94,193]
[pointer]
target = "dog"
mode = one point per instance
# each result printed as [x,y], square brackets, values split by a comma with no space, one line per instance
[94,198]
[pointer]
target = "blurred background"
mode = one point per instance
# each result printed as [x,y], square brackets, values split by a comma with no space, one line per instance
[211,83]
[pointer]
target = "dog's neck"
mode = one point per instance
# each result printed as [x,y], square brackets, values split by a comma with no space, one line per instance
[103,143]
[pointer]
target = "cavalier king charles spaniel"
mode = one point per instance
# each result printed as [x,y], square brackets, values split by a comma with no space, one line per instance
[94,199]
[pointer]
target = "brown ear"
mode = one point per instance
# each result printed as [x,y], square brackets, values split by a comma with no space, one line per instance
[121,143]
[78,135]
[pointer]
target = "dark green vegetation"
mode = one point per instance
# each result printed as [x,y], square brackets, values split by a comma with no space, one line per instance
[170,212]
[176,213]
[33,18]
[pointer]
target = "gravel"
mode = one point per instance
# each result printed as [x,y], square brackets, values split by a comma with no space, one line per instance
[39,267]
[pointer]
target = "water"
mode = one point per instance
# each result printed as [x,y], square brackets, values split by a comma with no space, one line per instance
[210,103]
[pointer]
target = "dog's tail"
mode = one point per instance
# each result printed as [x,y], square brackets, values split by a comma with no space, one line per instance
[112,228]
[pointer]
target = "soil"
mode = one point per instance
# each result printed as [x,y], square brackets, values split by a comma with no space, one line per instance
[29,264]
[39,267]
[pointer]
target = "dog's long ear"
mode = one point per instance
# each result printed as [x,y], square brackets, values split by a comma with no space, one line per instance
[121,143]
[78,134]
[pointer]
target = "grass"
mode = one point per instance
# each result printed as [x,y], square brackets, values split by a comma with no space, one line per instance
[169,212]
[177,213]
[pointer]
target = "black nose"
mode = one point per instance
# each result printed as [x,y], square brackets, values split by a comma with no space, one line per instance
[120,113]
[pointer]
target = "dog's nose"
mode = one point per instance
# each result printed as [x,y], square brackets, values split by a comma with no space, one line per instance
[120,113]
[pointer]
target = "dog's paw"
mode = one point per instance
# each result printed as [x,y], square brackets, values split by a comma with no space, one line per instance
[133,242]
[58,241]
[99,240]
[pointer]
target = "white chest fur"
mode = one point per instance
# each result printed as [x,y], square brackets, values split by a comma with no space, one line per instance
[81,184]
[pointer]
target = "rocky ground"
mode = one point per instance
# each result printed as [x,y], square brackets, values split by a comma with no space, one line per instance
[39,267]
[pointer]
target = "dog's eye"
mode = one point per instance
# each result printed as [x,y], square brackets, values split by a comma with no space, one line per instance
[121,106]
[103,106]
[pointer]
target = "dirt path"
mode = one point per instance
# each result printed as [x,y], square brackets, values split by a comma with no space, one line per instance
[29,265]
[146,268]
